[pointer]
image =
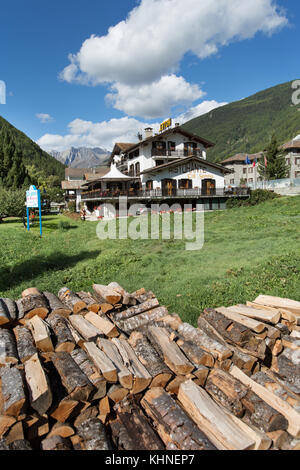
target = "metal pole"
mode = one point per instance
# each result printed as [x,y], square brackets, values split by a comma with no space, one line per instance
[40,212]
[27,212]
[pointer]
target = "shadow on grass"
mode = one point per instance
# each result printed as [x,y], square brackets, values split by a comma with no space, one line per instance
[28,270]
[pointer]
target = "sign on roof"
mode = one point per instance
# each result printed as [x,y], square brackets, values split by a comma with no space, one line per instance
[165,125]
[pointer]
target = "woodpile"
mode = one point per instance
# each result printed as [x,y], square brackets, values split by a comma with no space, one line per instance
[109,369]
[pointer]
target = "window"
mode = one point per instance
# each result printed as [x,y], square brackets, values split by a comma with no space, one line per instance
[171,146]
[297,174]
[159,162]
[137,168]
[190,148]
[149,185]
[297,161]
[244,171]
[131,170]
[185,184]
[288,161]
[250,180]
[250,170]
[231,181]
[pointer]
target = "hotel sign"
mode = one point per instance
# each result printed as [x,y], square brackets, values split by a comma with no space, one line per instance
[165,125]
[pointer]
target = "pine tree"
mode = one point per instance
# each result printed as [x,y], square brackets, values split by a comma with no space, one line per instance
[272,165]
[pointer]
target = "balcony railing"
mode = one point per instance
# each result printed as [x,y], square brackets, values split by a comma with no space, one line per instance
[165,193]
[176,153]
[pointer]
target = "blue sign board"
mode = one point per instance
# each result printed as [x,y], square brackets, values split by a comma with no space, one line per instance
[33,201]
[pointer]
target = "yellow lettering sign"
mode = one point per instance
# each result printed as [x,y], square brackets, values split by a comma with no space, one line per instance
[165,125]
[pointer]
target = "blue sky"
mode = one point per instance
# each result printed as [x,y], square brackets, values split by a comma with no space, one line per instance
[161,61]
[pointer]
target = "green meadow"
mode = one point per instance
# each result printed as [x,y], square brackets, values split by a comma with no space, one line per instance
[247,251]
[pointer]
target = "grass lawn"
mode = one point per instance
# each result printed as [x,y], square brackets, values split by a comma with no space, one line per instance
[247,251]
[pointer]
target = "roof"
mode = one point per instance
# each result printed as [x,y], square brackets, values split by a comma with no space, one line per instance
[293,144]
[241,157]
[180,161]
[94,176]
[173,130]
[71,184]
[80,172]
[113,175]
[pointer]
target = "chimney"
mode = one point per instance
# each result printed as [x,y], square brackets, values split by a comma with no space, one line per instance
[148,132]
[177,124]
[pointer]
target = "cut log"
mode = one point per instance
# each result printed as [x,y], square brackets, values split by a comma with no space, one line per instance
[253,325]
[103,364]
[76,383]
[261,439]
[295,334]
[22,444]
[218,350]
[117,393]
[195,354]
[211,419]
[62,429]
[258,314]
[172,354]
[236,333]
[41,334]
[88,331]
[11,308]
[103,324]
[6,422]
[56,443]
[273,400]
[36,426]
[90,412]
[172,424]
[8,350]
[25,343]
[90,302]
[110,295]
[71,300]
[141,295]
[141,377]
[64,410]
[104,406]
[4,314]
[64,340]
[56,305]
[135,310]
[16,433]
[291,342]
[127,299]
[201,374]
[82,360]
[111,351]
[137,427]
[13,399]
[284,305]
[147,355]
[31,291]
[39,390]
[79,340]
[287,366]
[142,319]
[20,310]
[34,305]
[3,445]
[94,436]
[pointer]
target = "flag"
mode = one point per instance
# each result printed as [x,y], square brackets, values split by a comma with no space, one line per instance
[248,161]
[255,162]
[266,162]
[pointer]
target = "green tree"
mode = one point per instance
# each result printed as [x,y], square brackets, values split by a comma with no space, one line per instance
[12,204]
[272,165]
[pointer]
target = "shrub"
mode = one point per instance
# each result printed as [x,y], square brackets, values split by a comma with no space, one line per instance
[63,225]
[72,206]
[256,197]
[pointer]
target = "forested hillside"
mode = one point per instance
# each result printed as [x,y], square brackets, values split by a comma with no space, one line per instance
[247,125]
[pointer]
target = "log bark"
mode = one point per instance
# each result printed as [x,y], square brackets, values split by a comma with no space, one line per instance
[5,318]
[111,351]
[89,301]
[195,354]
[280,303]
[20,310]
[103,364]
[142,319]
[13,399]
[76,383]
[88,331]
[8,350]
[25,343]
[258,314]
[34,305]
[217,424]
[16,433]
[272,400]
[71,300]
[117,393]
[41,334]
[172,424]
[64,340]
[6,422]
[40,394]
[287,365]
[36,426]
[110,295]
[141,376]
[217,349]
[22,444]
[56,306]
[159,371]
[12,308]
[94,436]
[127,299]
[135,310]
[56,443]
[136,426]
[141,295]
[106,327]
[88,368]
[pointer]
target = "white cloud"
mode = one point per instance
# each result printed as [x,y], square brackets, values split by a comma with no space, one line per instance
[157,34]
[44,118]
[106,133]
[156,99]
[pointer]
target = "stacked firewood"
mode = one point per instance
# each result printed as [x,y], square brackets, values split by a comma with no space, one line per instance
[115,370]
